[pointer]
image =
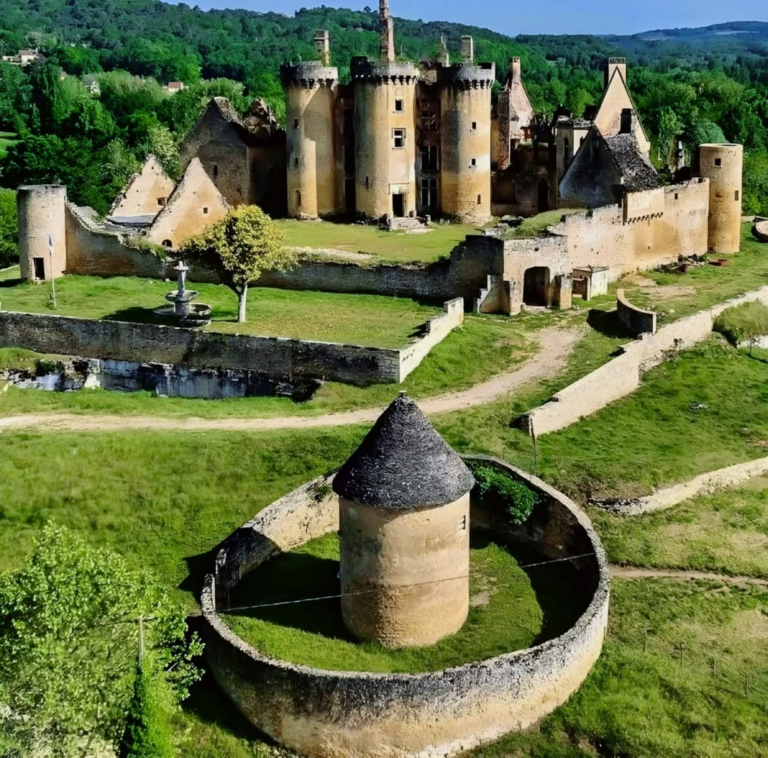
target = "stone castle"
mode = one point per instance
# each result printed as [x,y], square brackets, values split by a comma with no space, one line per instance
[401,143]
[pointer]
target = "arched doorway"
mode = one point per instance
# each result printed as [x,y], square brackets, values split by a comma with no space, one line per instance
[543,195]
[536,286]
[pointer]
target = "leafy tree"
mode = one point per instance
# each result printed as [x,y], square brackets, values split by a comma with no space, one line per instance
[239,247]
[9,227]
[69,642]
[146,732]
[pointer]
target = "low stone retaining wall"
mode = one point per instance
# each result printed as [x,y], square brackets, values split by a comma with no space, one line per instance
[636,320]
[336,713]
[271,357]
[623,374]
[705,484]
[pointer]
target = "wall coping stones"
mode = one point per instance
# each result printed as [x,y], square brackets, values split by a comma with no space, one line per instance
[637,320]
[347,713]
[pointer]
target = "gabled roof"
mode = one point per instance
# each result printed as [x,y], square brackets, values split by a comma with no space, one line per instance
[623,83]
[403,463]
[633,165]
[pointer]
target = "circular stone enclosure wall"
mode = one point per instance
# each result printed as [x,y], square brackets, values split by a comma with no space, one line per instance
[337,713]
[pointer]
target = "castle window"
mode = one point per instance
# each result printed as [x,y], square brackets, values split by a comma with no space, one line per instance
[473,163]
[479,199]
[429,193]
[718,161]
[205,211]
[161,201]
[429,158]
[296,162]
[399,106]
[367,182]
[167,243]
[295,123]
[398,138]
[298,199]
[736,196]
[677,196]
[474,126]
[215,170]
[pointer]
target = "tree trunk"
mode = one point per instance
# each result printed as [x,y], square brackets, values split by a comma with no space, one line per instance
[242,299]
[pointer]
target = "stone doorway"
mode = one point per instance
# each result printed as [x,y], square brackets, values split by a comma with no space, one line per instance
[398,205]
[38,266]
[543,195]
[536,286]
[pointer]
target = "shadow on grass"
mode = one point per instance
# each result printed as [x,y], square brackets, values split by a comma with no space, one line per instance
[607,323]
[9,283]
[138,315]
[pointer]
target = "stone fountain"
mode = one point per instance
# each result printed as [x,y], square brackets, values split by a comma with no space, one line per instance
[183,309]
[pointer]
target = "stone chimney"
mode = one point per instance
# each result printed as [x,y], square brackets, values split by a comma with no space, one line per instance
[386,33]
[515,70]
[615,64]
[467,50]
[628,121]
[323,46]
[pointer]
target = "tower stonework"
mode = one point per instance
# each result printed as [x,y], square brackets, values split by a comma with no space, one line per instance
[723,166]
[385,136]
[42,215]
[404,533]
[310,98]
[465,103]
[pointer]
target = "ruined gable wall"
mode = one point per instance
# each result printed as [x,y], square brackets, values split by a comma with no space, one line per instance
[144,193]
[608,119]
[589,180]
[195,204]
[219,146]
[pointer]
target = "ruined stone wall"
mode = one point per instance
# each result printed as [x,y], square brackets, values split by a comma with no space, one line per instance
[196,203]
[592,179]
[41,212]
[723,166]
[522,254]
[616,99]
[335,713]
[310,111]
[622,375]
[143,343]
[404,574]
[268,176]
[637,320]
[437,329]
[146,193]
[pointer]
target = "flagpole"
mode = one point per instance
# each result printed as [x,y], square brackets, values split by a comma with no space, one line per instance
[53,277]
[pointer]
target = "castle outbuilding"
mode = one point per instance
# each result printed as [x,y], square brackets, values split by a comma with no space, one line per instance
[404,532]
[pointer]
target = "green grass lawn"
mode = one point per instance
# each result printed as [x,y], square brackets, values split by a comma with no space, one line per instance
[371,320]
[399,247]
[726,532]
[518,610]
[536,226]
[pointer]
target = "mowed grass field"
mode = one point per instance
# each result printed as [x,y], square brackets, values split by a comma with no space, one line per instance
[370,320]
[395,247]
[165,500]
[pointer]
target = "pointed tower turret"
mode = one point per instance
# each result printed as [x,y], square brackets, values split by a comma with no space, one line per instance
[404,531]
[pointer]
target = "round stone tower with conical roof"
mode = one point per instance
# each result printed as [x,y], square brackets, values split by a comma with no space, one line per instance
[404,532]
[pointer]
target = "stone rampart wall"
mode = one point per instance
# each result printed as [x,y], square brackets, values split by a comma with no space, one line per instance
[437,329]
[623,374]
[636,320]
[336,713]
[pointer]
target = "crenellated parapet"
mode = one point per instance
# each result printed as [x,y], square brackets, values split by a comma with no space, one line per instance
[386,72]
[309,75]
[468,75]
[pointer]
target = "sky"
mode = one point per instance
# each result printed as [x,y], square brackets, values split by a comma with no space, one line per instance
[549,17]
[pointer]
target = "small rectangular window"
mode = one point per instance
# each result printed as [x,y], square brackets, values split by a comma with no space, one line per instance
[295,123]
[677,196]
[718,161]
[398,138]
[479,199]
[205,211]
[296,162]
[399,106]
[161,201]
[474,125]
[737,196]
[473,163]
[215,170]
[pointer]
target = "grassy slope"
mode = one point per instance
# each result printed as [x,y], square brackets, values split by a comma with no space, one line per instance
[355,319]
[397,247]
[314,633]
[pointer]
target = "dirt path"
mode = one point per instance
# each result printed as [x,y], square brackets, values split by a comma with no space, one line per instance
[555,347]
[631,572]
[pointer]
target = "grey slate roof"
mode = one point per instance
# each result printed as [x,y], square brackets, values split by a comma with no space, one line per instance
[403,463]
[636,169]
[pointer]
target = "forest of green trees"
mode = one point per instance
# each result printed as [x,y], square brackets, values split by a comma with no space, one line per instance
[707,88]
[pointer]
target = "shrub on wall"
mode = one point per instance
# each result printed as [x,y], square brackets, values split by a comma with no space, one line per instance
[518,499]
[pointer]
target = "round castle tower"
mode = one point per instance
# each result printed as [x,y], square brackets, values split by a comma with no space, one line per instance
[42,214]
[385,135]
[404,532]
[310,101]
[465,104]
[723,166]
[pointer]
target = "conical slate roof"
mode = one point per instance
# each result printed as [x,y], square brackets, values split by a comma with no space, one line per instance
[403,463]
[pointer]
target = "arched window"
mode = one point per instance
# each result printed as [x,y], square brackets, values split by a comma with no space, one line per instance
[168,244]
